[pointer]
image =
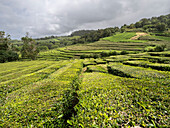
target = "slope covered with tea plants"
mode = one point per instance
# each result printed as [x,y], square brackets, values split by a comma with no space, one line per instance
[104,78]
[87,92]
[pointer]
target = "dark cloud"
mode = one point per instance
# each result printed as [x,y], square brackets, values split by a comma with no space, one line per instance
[55,17]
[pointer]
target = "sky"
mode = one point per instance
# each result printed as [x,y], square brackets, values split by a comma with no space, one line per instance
[61,17]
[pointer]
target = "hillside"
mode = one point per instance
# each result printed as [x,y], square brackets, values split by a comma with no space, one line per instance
[111,78]
[155,26]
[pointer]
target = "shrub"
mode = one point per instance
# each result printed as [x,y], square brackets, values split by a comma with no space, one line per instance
[123,52]
[160,48]
[161,27]
[8,56]
[149,49]
[105,54]
[89,56]
[150,38]
[163,34]
[157,48]
[54,46]
[43,48]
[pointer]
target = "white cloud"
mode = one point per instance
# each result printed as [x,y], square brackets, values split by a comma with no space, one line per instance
[54,17]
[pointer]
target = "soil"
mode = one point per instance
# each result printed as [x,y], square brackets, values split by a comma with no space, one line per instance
[138,34]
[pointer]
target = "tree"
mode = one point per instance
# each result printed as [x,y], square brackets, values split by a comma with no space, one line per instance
[161,27]
[131,26]
[145,21]
[4,41]
[116,29]
[122,29]
[29,49]
[6,53]
[138,24]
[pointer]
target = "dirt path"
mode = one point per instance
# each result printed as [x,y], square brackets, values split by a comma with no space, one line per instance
[138,34]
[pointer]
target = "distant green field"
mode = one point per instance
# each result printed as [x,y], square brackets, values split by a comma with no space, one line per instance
[47,40]
[123,37]
[162,38]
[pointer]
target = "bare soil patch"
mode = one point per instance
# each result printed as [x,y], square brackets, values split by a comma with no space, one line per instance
[138,34]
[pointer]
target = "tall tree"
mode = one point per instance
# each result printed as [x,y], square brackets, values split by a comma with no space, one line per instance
[29,49]
[6,53]
[161,27]
[4,41]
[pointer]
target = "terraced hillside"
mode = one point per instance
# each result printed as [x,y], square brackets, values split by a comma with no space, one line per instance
[130,90]
[32,96]
[123,94]
[119,42]
[108,83]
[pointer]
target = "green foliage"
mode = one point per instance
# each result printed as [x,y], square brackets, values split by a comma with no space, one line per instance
[54,46]
[94,68]
[146,64]
[4,41]
[123,37]
[118,58]
[157,59]
[51,93]
[100,61]
[136,72]
[166,53]
[161,27]
[105,54]
[88,62]
[110,101]
[124,52]
[43,48]
[89,56]
[54,55]
[6,51]
[7,56]
[29,50]
[160,48]
[102,94]
[149,38]
[81,32]
[167,34]
[157,48]
[96,35]
[41,98]
[149,49]
[164,38]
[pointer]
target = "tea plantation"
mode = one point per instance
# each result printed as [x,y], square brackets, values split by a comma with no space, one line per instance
[113,82]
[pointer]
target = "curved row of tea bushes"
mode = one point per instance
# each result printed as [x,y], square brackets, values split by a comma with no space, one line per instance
[39,104]
[111,101]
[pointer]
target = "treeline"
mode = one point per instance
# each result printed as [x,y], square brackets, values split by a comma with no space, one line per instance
[154,24]
[10,52]
[81,32]
[45,38]
[96,35]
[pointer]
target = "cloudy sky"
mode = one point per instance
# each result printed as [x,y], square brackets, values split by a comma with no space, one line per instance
[57,17]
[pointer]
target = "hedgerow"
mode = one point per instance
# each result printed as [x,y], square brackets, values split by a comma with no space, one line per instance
[137,72]
[43,103]
[163,67]
[109,101]
[94,68]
